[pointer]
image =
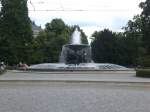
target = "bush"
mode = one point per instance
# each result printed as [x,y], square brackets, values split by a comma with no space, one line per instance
[144,61]
[143,73]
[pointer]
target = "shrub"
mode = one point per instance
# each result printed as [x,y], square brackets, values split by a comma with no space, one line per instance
[144,61]
[143,73]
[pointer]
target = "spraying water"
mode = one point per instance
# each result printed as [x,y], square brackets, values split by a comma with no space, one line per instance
[76,37]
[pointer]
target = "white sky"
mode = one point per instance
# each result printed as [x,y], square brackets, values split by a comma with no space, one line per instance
[97,14]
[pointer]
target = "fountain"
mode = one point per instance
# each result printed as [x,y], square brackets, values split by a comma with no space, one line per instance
[75,52]
[76,57]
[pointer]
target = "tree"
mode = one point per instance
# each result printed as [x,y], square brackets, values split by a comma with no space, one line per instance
[112,47]
[145,6]
[49,42]
[38,46]
[58,34]
[133,33]
[103,46]
[15,31]
[138,30]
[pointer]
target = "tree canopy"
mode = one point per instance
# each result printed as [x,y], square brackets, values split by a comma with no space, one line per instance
[50,41]
[145,16]
[130,48]
[112,47]
[139,28]
[15,31]
[16,37]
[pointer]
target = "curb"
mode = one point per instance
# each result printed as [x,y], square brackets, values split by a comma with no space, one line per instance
[78,72]
[75,82]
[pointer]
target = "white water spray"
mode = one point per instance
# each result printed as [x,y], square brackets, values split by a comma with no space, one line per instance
[76,37]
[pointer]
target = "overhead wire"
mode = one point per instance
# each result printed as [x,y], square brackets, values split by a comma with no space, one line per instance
[71,10]
[80,10]
[32,4]
[61,4]
[62,8]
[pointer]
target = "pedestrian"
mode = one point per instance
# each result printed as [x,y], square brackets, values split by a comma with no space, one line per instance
[2,66]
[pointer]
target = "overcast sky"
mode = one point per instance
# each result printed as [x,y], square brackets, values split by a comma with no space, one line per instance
[90,15]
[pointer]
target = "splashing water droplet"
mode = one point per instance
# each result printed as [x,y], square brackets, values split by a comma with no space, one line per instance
[76,37]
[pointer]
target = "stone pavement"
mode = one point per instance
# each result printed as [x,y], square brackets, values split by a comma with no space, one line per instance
[74,92]
[73,97]
[100,76]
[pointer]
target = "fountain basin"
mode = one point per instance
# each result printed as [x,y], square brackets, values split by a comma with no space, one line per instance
[80,67]
[75,54]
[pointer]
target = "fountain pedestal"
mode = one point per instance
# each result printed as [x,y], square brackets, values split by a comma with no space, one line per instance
[75,54]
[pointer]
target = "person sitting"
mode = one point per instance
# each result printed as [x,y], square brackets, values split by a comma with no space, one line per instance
[23,66]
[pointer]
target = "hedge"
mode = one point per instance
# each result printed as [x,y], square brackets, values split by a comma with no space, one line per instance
[143,73]
[144,61]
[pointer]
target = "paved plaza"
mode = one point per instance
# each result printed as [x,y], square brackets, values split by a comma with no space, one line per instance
[33,95]
[89,76]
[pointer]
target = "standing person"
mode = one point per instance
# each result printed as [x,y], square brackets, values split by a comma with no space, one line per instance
[2,66]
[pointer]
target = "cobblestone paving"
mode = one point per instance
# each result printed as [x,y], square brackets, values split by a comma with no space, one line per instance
[87,76]
[73,97]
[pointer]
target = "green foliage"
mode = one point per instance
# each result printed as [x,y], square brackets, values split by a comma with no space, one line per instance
[130,48]
[111,47]
[134,43]
[143,73]
[145,16]
[102,46]
[48,44]
[139,28]
[15,31]
[144,61]
[17,43]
